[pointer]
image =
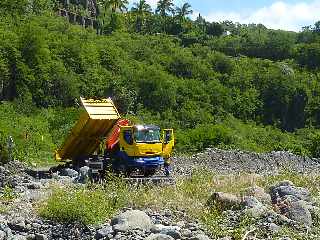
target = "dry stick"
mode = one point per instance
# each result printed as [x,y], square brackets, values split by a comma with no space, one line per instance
[247,233]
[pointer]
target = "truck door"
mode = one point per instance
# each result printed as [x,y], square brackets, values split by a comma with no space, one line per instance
[168,143]
[127,141]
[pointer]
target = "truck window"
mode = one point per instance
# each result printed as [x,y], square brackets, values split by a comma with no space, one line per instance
[127,135]
[147,135]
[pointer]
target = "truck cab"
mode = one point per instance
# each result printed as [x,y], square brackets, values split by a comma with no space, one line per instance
[141,147]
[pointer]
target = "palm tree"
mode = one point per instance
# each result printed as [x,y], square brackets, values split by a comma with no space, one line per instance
[108,11]
[115,5]
[141,9]
[164,7]
[184,11]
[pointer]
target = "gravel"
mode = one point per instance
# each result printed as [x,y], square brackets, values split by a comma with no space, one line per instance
[236,161]
[284,204]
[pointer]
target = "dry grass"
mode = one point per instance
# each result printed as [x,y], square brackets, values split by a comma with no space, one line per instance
[189,196]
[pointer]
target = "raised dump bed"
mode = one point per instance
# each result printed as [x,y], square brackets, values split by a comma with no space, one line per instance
[92,128]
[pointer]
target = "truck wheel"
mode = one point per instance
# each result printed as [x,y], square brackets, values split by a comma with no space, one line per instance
[122,170]
[149,172]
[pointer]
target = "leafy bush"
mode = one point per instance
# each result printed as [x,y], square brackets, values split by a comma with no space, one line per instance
[203,136]
[88,205]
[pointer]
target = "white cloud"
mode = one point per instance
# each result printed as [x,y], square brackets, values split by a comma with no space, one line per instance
[279,15]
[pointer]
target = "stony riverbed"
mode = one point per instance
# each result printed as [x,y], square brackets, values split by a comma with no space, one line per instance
[280,206]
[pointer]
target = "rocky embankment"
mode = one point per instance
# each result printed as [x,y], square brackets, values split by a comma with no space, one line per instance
[281,206]
[19,219]
[236,161]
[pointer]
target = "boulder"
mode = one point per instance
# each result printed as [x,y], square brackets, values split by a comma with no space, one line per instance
[259,194]
[40,236]
[172,231]
[225,201]
[2,235]
[274,228]
[84,175]
[254,208]
[104,232]
[17,224]
[186,233]
[68,172]
[200,237]
[159,237]
[34,185]
[31,237]
[299,212]
[18,237]
[286,188]
[131,220]
[156,228]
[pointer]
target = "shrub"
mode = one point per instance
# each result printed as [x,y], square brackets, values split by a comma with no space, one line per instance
[203,136]
[87,205]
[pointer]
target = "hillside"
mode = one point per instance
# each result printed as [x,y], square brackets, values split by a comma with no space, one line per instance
[243,101]
[255,89]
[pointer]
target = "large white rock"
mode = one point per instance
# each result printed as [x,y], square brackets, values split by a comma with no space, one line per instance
[131,220]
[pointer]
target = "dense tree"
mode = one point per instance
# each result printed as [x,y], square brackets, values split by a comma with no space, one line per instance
[193,78]
[141,10]
[114,5]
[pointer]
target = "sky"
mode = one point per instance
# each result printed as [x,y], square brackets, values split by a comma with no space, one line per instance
[289,15]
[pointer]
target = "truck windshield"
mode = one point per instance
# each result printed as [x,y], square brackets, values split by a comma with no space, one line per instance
[147,135]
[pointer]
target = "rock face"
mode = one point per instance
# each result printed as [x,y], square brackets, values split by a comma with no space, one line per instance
[131,220]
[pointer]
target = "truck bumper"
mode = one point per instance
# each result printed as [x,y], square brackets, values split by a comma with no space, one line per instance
[145,162]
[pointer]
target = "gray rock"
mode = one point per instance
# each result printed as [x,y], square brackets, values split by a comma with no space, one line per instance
[274,228]
[39,236]
[130,220]
[31,237]
[286,188]
[17,224]
[186,233]
[159,237]
[252,202]
[156,228]
[225,201]
[18,237]
[2,235]
[104,232]
[298,211]
[259,194]
[34,185]
[172,231]
[200,237]
[68,172]
[84,174]
[254,208]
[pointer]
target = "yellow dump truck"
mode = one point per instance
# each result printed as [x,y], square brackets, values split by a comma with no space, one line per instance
[102,140]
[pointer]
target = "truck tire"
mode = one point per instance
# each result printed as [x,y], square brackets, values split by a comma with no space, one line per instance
[149,172]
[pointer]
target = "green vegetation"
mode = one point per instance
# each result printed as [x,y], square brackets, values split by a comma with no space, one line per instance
[88,205]
[218,84]
[190,195]
[7,195]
